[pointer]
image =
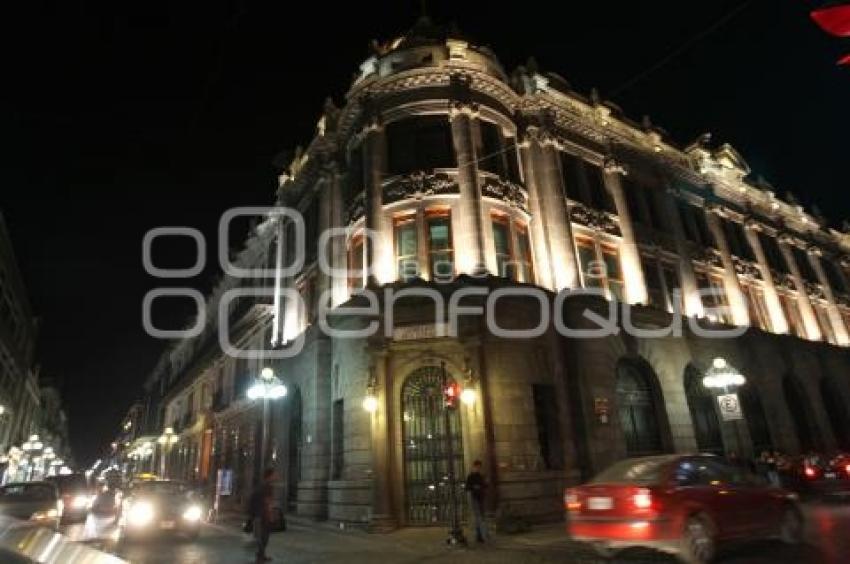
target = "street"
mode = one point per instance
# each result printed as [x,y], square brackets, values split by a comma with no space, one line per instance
[826,541]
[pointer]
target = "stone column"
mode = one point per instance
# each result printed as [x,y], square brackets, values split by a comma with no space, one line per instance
[337,251]
[537,226]
[690,296]
[734,294]
[629,254]
[467,220]
[838,327]
[383,518]
[379,249]
[810,320]
[554,208]
[771,297]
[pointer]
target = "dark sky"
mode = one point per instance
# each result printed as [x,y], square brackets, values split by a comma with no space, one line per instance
[124,118]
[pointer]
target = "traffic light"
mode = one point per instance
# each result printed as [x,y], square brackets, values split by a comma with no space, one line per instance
[451,393]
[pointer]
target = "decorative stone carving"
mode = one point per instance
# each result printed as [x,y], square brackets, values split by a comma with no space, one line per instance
[709,256]
[506,191]
[417,185]
[814,290]
[356,209]
[746,268]
[613,166]
[783,280]
[593,219]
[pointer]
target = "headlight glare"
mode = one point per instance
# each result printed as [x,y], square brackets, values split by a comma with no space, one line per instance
[48,514]
[141,513]
[80,501]
[192,513]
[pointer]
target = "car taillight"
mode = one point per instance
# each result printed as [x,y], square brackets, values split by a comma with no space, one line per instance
[809,472]
[642,499]
[571,501]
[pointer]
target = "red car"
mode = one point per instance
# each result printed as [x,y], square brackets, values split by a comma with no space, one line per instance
[681,504]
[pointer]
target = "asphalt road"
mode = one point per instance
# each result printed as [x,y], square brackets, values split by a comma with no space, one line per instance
[827,540]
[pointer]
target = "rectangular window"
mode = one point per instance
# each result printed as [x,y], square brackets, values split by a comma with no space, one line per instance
[773,254]
[420,143]
[571,173]
[804,264]
[524,259]
[355,263]
[600,196]
[756,306]
[548,426]
[600,267]
[672,287]
[440,254]
[654,285]
[613,273]
[502,242]
[406,248]
[338,439]
[636,200]
[791,309]
[714,298]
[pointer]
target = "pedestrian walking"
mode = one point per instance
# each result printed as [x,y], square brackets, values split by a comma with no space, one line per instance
[476,488]
[260,512]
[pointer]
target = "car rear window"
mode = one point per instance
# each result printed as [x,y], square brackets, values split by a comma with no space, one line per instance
[72,482]
[642,471]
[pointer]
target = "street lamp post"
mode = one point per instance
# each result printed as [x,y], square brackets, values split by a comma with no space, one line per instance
[267,387]
[449,403]
[722,376]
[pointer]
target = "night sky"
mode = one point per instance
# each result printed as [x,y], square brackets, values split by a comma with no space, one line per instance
[124,118]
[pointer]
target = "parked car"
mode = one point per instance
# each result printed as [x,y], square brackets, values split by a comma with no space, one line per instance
[156,507]
[818,476]
[680,504]
[77,496]
[36,502]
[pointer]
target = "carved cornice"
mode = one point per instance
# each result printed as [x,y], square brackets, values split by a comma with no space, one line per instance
[746,268]
[709,257]
[356,209]
[594,219]
[418,185]
[506,191]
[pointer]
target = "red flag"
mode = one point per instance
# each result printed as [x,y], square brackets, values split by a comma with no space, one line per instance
[834,20]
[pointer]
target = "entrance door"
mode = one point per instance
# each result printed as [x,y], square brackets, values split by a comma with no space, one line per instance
[425,448]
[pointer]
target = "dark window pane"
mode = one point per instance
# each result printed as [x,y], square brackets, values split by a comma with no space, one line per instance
[573,182]
[419,143]
[601,198]
[548,426]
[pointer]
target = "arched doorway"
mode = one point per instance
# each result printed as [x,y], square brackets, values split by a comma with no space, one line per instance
[795,397]
[293,474]
[636,401]
[755,418]
[836,412]
[426,460]
[703,413]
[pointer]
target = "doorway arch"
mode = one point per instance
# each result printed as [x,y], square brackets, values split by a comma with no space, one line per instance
[425,447]
[836,412]
[798,405]
[701,403]
[755,418]
[639,407]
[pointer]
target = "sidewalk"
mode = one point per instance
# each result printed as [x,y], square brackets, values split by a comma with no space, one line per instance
[309,541]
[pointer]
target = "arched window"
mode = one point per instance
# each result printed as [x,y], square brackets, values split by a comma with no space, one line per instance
[756,421]
[638,408]
[798,405]
[836,412]
[703,414]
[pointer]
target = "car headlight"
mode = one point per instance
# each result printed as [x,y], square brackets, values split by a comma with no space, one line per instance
[48,514]
[192,513]
[81,501]
[140,514]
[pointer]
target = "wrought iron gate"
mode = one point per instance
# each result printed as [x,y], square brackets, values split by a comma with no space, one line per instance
[426,469]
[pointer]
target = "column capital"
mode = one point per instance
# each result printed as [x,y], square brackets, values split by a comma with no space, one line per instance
[612,165]
[814,250]
[785,238]
[753,224]
[542,135]
[461,108]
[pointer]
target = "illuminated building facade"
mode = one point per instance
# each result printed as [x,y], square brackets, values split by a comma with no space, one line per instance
[445,173]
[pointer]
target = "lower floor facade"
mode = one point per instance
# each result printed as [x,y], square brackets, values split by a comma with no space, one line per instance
[547,412]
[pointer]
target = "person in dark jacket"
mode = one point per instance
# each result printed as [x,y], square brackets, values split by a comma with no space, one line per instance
[260,511]
[476,487]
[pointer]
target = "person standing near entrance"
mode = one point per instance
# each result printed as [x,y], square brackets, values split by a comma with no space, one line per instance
[260,511]
[476,487]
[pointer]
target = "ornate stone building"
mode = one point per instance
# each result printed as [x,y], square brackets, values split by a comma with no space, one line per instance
[445,175]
